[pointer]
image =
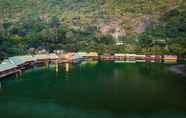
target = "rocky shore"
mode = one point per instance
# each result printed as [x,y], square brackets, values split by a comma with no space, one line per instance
[179,69]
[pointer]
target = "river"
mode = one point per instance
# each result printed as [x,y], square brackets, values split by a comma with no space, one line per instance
[94,90]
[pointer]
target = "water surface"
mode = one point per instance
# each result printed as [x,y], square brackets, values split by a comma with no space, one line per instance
[95,90]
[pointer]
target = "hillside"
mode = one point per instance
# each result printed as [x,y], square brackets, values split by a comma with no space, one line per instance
[96,25]
[87,11]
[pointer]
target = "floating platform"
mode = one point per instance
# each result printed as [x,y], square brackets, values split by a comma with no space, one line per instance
[15,64]
[10,72]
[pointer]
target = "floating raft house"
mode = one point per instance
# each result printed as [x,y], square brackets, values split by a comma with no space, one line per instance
[131,57]
[107,57]
[90,55]
[170,58]
[22,61]
[8,68]
[140,58]
[120,56]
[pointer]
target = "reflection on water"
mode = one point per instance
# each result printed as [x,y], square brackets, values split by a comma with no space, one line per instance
[1,87]
[125,61]
[105,90]
[67,67]
[57,67]
[90,63]
[169,61]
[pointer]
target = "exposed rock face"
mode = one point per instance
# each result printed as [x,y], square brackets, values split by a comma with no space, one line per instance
[109,26]
[141,26]
[123,25]
[112,27]
[119,33]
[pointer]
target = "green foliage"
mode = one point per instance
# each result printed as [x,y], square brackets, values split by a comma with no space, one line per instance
[72,25]
[169,35]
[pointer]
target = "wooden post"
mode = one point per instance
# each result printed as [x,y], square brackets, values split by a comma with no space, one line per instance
[57,66]
[20,73]
[17,75]
[0,85]
[47,64]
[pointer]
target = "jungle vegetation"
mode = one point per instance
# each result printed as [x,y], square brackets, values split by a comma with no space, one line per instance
[74,25]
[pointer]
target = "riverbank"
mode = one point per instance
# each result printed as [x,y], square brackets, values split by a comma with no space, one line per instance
[179,69]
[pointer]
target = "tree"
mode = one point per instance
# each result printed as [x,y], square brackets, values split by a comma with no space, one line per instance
[54,23]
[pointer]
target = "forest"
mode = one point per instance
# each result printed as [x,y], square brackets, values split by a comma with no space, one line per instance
[74,25]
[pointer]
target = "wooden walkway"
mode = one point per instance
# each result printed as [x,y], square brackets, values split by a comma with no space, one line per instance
[10,73]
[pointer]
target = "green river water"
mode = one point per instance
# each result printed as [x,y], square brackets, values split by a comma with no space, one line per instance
[95,90]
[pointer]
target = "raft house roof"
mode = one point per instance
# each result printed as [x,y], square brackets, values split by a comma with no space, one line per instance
[18,60]
[76,56]
[6,65]
[92,54]
[41,56]
[83,53]
[88,54]
[53,56]
[72,55]
[130,54]
[140,55]
[119,54]
[170,57]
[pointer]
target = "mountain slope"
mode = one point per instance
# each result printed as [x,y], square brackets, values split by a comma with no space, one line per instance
[144,26]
